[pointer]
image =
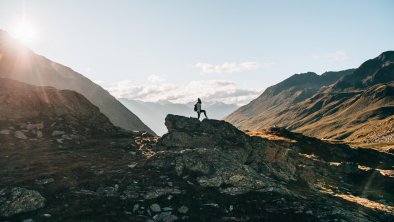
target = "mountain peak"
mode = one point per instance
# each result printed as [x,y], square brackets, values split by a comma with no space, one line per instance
[7,41]
[386,56]
[349,109]
[365,72]
[37,70]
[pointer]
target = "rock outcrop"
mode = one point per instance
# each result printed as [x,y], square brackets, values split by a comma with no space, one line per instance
[19,200]
[221,156]
[153,113]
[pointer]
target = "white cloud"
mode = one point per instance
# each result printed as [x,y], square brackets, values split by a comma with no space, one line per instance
[156,78]
[229,67]
[211,90]
[336,56]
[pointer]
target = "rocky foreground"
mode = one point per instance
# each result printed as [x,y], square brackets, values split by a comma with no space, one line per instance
[198,171]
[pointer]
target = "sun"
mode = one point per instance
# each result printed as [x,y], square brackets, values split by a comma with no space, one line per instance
[25,32]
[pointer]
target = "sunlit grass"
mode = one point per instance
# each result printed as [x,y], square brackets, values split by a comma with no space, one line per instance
[367,203]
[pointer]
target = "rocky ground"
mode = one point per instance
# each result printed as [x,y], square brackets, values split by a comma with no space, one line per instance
[198,171]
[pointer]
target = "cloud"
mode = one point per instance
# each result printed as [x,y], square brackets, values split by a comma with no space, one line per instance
[210,90]
[229,67]
[336,56]
[156,78]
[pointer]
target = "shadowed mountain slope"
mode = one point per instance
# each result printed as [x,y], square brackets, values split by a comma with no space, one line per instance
[34,112]
[20,63]
[370,73]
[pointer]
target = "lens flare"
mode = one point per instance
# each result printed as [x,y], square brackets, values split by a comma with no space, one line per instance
[25,32]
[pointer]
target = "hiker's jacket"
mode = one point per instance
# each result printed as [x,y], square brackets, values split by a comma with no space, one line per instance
[198,107]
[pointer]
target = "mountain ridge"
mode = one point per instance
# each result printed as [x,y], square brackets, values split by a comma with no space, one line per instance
[347,107]
[20,63]
[365,71]
[288,92]
[39,111]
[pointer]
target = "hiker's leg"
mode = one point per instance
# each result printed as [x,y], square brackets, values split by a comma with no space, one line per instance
[205,113]
[198,114]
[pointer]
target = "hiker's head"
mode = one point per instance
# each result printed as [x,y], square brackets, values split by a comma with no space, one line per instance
[199,100]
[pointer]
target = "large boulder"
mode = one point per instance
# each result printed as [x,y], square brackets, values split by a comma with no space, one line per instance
[184,132]
[222,156]
[190,133]
[19,200]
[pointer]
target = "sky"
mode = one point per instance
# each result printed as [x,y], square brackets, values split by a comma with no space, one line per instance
[221,50]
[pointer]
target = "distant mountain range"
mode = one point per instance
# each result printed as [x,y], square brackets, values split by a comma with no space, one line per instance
[353,105]
[154,113]
[20,63]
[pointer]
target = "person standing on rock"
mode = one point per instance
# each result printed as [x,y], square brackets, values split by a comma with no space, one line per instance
[197,108]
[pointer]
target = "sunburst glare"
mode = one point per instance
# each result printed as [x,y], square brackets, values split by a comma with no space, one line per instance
[25,32]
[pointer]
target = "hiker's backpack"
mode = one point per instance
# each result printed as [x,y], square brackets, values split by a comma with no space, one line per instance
[195,107]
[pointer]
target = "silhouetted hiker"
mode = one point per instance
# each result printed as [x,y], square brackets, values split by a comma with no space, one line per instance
[197,108]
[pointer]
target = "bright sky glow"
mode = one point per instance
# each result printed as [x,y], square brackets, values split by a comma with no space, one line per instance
[25,32]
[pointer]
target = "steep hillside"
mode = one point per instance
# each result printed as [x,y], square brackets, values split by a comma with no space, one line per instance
[371,72]
[359,107]
[279,97]
[33,112]
[20,63]
[153,114]
[365,116]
